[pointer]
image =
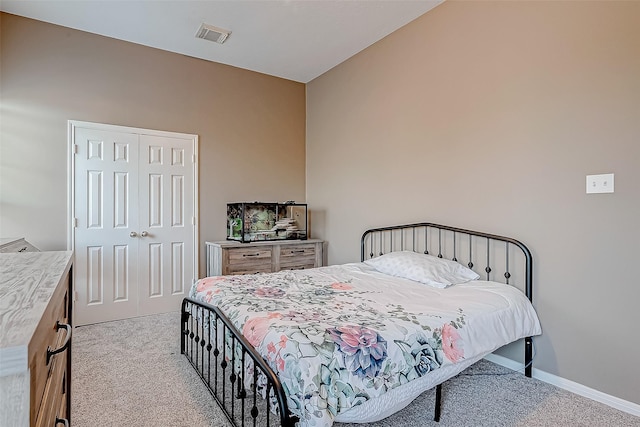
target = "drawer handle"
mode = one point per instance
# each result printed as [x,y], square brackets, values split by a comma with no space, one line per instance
[250,254]
[22,249]
[299,251]
[64,346]
[62,421]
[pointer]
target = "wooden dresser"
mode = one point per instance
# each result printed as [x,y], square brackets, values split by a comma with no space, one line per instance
[230,257]
[35,338]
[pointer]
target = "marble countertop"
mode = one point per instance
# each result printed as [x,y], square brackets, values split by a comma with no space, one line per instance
[27,282]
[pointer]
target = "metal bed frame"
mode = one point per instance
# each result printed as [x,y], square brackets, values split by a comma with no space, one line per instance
[238,377]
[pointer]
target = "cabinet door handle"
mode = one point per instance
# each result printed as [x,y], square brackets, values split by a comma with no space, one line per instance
[64,345]
[63,421]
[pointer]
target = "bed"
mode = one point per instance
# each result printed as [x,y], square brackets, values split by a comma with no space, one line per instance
[358,342]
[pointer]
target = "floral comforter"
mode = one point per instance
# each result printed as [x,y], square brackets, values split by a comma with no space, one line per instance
[341,335]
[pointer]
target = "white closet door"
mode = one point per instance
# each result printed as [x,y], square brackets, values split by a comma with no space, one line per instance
[106,212]
[166,268]
[135,209]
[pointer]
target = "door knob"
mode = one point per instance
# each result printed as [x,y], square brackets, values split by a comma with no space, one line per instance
[144,234]
[133,234]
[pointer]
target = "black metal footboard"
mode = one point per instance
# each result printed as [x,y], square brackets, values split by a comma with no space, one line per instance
[244,386]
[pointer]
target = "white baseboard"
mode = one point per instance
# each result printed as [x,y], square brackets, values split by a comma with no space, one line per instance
[598,396]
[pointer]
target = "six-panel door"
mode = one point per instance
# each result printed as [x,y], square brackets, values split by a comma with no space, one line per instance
[135,213]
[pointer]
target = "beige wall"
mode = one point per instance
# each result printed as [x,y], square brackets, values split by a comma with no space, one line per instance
[251,126]
[489,115]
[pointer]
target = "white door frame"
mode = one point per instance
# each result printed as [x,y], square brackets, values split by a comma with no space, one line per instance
[72,125]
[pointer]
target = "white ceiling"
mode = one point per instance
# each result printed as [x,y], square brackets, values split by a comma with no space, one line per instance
[293,39]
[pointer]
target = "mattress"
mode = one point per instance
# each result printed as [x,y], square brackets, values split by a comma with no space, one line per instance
[351,344]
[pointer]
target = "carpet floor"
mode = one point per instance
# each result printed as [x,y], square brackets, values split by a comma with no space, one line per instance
[131,373]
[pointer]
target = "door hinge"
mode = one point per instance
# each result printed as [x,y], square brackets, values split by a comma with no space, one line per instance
[75,296]
[75,148]
[193,158]
[193,220]
[75,222]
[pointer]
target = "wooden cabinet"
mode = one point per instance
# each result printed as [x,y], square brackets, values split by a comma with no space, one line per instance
[35,337]
[230,257]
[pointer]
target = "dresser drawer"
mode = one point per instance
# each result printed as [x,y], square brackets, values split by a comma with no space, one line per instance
[48,337]
[301,264]
[297,251]
[54,400]
[297,257]
[248,260]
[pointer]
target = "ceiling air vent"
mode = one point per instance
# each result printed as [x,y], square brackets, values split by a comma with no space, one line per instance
[211,33]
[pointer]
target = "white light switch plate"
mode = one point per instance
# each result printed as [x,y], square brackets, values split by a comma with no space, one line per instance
[600,183]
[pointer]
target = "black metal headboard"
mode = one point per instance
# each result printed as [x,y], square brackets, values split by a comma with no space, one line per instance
[494,257]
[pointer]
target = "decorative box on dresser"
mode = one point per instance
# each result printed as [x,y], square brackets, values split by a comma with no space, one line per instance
[231,257]
[35,338]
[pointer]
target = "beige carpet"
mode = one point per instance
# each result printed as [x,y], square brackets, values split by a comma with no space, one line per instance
[131,373]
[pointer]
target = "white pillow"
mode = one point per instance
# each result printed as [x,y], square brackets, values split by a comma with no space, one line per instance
[423,268]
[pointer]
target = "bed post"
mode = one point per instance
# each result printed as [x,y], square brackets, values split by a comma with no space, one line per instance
[184,316]
[528,356]
[528,341]
[436,413]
